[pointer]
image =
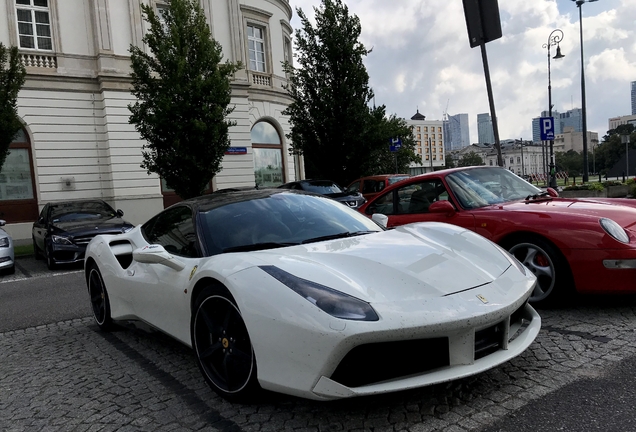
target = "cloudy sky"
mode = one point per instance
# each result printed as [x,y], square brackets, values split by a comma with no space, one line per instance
[421,59]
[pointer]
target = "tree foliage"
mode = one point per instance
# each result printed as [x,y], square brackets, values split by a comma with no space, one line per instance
[570,162]
[332,125]
[12,76]
[183,93]
[470,159]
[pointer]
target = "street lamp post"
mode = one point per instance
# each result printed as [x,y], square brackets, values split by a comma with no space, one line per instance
[553,40]
[579,3]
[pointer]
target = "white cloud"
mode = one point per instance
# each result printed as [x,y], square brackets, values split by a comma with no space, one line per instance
[421,59]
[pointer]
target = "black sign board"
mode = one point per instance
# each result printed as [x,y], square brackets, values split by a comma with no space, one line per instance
[482,20]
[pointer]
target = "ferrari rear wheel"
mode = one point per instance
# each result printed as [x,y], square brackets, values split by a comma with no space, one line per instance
[99,299]
[550,268]
[222,345]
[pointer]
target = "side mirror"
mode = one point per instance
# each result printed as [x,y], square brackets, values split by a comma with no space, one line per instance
[156,254]
[2,222]
[553,193]
[120,213]
[380,219]
[442,207]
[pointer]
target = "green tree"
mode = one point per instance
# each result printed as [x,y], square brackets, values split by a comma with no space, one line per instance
[380,159]
[332,125]
[470,159]
[12,76]
[570,162]
[183,93]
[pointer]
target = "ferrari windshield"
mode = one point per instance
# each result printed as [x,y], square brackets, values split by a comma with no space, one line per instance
[277,220]
[481,187]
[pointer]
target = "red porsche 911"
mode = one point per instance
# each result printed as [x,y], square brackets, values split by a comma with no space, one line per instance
[584,244]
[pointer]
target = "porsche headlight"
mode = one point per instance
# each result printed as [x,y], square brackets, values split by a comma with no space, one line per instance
[4,242]
[335,303]
[61,240]
[614,230]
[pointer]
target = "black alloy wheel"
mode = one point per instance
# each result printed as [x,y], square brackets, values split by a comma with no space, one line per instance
[99,299]
[36,250]
[50,262]
[222,345]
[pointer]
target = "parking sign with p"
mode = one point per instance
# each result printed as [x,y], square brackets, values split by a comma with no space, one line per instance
[547,128]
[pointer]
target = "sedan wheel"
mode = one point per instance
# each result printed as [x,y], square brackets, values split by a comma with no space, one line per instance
[547,265]
[99,299]
[36,250]
[50,263]
[222,345]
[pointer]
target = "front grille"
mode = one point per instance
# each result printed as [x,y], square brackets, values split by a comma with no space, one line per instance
[488,340]
[372,363]
[82,241]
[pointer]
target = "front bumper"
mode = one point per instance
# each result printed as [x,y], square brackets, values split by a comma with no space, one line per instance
[67,254]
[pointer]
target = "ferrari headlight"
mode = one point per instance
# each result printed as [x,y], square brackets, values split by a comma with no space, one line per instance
[614,230]
[61,240]
[4,242]
[335,303]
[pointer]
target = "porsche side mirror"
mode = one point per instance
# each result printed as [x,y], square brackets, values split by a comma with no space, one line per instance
[120,213]
[380,219]
[156,254]
[553,192]
[442,207]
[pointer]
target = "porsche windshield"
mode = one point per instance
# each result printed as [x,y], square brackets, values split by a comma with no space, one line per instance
[281,219]
[481,187]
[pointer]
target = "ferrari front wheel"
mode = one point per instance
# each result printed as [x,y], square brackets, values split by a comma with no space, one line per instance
[222,345]
[550,268]
[99,299]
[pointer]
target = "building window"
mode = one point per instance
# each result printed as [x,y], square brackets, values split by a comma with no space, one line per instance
[162,10]
[287,50]
[490,162]
[256,48]
[426,130]
[17,187]
[418,129]
[419,136]
[268,155]
[518,159]
[34,24]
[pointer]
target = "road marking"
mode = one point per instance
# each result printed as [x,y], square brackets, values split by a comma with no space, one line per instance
[40,276]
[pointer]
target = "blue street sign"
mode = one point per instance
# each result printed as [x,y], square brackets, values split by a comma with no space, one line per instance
[396,143]
[546,124]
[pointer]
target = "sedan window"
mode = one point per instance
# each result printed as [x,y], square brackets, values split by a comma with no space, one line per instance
[174,230]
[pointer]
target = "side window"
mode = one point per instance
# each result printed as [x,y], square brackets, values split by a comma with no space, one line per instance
[354,187]
[174,230]
[383,205]
[416,198]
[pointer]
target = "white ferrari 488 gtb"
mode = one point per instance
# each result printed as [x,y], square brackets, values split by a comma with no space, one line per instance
[298,294]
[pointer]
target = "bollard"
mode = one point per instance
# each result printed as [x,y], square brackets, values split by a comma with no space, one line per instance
[623,176]
[599,178]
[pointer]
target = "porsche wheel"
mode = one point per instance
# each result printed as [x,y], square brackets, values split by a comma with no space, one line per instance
[550,268]
[99,299]
[222,345]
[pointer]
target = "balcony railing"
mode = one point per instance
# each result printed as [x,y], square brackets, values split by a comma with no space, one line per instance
[39,61]
[261,79]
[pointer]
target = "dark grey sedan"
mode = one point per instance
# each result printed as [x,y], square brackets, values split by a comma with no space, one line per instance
[328,189]
[63,229]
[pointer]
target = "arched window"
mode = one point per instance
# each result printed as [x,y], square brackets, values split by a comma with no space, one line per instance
[268,155]
[17,187]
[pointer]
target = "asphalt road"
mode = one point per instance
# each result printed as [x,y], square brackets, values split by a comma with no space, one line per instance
[36,296]
[58,372]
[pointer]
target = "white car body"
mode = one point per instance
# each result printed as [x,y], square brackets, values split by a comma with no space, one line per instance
[7,255]
[425,281]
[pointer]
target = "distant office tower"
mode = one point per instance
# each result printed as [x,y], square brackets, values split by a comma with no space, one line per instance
[633,97]
[536,131]
[456,132]
[484,129]
[571,118]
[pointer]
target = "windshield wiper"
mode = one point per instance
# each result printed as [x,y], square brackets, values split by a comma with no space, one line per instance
[537,196]
[336,236]
[258,246]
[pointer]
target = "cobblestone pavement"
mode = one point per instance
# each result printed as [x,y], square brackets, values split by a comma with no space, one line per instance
[69,376]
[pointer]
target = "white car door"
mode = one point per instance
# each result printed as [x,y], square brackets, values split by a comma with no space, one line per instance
[160,293]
